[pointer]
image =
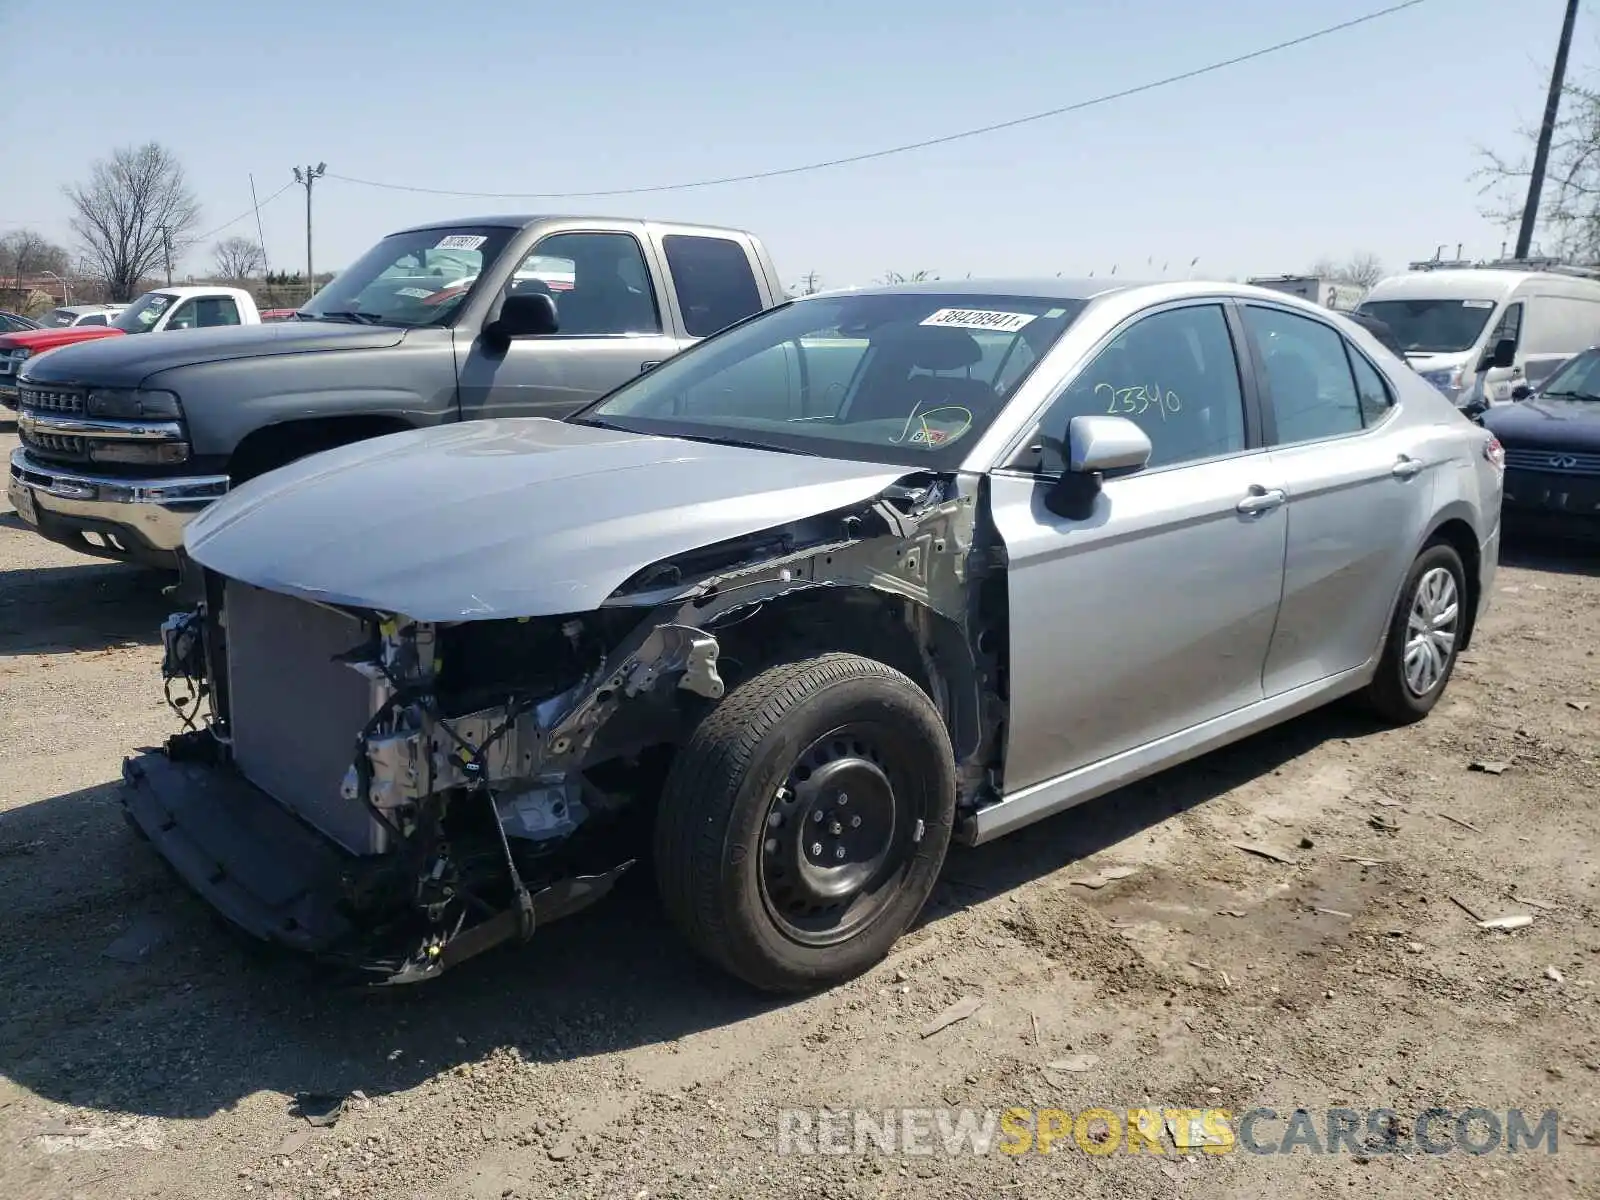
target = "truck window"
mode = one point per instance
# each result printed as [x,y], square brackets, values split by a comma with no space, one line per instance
[96,319]
[714,282]
[1509,325]
[216,310]
[600,282]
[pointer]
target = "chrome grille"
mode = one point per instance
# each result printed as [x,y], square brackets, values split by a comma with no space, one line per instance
[1558,462]
[65,400]
[64,447]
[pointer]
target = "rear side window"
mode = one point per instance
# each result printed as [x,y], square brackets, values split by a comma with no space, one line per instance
[1372,391]
[97,319]
[715,284]
[1308,375]
[216,310]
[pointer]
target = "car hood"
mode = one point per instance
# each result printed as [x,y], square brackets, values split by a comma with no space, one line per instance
[516,518]
[128,361]
[40,340]
[1553,423]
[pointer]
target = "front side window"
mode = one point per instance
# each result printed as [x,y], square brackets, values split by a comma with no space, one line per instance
[97,319]
[1433,326]
[142,315]
[1509,327]
[211,311]
[714,282]
[411,279]
[600,283]
[899,378]
[1308,376]
[1175,375]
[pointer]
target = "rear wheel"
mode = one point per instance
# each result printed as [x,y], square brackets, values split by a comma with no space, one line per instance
[1424,637]
[804,824]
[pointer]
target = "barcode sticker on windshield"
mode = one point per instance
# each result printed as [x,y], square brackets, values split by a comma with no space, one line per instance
[461,241]
[979,318]
[1477,304]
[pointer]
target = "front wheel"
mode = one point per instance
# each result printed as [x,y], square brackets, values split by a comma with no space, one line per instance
[1424,637]
[803,826]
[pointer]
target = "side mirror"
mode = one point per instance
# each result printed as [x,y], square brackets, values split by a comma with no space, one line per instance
[1521,392]
[532,314]
[1095,447]
[1504,354]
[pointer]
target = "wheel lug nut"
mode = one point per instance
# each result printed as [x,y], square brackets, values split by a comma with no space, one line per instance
[839,853]
[775,820]
[772,845]
[855,822]
[836,829]
[816,814]
[816,849]
[844,798]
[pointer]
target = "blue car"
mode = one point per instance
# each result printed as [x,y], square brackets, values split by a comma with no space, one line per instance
[1551,436]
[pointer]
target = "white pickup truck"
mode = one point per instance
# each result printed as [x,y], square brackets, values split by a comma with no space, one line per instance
[198,307]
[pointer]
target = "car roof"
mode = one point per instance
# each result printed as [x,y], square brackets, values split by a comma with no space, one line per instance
[523,220]
[1155,291]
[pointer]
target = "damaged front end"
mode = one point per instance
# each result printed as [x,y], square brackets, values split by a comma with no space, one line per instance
[400,795]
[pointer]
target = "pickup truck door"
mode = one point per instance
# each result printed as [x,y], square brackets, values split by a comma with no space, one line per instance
[614,324]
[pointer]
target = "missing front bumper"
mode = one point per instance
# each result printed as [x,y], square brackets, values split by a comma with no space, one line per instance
[278,880]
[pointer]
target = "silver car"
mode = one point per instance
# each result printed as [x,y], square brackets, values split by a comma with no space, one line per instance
[862,574]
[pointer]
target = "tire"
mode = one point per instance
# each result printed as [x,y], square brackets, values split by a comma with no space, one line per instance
[1396,693]
[761,861]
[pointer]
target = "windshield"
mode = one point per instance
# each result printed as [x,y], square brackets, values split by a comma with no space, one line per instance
[410,279]
[60,319]
[902,378]
[142,315]
[1432,326]
[1578,379]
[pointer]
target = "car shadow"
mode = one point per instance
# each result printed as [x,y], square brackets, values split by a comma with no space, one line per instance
[62,610]
[202,1018]
[1540,552]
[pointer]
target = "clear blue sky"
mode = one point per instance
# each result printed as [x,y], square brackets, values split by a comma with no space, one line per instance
[1361,141]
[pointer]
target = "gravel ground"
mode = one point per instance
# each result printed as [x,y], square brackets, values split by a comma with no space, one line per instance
[148,1052]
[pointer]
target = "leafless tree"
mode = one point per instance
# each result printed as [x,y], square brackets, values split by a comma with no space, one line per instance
[135,210]
[1569,204]
[913,277]
[26,252]
[1362,269]
[238,258]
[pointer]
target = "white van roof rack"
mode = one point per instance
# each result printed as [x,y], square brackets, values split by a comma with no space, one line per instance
[1553,265]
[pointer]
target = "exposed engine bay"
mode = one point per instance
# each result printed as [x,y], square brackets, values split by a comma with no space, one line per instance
[399,795]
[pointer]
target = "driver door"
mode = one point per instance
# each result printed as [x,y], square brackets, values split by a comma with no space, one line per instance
[1155,613]
[613,326]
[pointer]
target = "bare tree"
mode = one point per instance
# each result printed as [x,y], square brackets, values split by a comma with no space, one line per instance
[1362,269]
[238,258]
[1569,204]
[135,214]
[25,252]
[914,277]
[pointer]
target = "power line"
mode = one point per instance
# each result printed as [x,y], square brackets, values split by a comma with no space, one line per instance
[945,139]
[200,237]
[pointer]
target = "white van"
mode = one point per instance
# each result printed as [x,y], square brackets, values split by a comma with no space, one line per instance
[1453,324]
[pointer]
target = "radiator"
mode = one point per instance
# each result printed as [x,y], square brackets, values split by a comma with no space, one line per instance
[294,713]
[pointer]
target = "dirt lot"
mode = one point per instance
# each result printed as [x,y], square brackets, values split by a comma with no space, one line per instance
[603,1060]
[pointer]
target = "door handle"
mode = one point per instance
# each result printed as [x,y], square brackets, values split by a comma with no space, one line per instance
[650,364]
[1260,500]
[1407,467]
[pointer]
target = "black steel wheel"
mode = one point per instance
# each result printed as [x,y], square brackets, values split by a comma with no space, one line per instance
[803,826]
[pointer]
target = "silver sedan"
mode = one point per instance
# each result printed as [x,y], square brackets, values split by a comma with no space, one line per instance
[863,574]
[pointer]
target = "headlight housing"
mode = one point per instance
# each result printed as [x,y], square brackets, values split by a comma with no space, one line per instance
[132,404]
[18,355]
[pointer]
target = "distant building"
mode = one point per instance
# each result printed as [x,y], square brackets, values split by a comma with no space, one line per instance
[1342,296]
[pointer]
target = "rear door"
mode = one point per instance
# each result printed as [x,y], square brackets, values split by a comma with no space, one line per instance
[1359,484]
[1155,613]
[613,325]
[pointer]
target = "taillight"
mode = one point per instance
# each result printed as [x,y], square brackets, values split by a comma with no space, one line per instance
[1495,453]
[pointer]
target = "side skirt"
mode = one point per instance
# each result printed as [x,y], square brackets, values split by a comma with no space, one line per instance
[1051,796]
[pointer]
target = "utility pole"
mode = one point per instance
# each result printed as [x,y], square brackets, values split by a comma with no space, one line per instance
[305,178]
[1541,153]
